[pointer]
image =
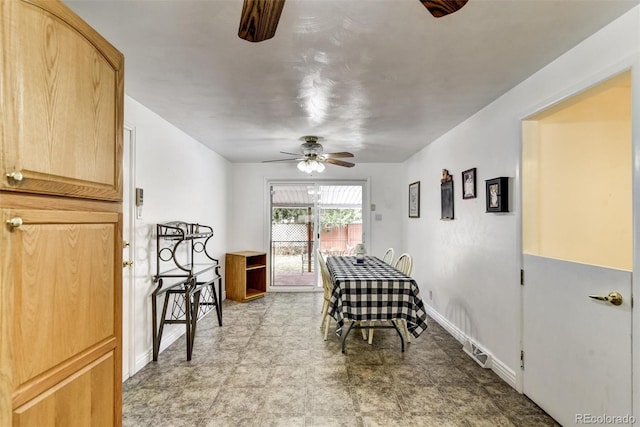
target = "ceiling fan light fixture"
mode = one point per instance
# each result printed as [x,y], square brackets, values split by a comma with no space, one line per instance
[310,165]
[313,158]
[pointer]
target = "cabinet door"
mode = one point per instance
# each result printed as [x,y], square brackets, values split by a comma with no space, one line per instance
[83,399]
[61,101]
[64,302]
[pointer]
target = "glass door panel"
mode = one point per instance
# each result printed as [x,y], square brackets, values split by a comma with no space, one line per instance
[340,218]
[306,216]
[293,208]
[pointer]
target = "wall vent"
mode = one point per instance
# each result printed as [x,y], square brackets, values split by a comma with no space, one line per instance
[479,355]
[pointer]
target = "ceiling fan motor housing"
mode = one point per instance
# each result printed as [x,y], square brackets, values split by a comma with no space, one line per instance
[311,148]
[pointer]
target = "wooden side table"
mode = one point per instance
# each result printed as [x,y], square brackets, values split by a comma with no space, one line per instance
[245,275]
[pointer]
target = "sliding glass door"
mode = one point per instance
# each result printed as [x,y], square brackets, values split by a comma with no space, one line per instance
[307,216]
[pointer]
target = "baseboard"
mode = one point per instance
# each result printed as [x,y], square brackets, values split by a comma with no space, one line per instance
[497,366]
[168,338]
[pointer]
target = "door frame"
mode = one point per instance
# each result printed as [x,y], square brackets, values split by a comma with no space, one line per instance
[128,179]
[366,219]
[632,63]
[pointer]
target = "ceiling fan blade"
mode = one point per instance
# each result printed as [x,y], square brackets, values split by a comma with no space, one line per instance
[440,8]
[281,160]
[339,163]
[339,155]
[291,154]
[259,19]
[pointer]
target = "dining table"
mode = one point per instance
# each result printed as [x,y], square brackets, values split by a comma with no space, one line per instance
[368,289]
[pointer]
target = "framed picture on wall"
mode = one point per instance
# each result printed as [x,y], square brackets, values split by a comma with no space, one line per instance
[497,194]
[469,184]
[446,200]
[414,200]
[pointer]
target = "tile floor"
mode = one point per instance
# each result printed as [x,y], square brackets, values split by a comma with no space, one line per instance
[269,366]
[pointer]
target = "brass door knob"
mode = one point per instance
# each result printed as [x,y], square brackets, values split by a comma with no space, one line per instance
[15,222]
[15,176]
[614,298]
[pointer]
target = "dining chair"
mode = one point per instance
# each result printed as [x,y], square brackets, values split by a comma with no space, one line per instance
[404,264]
[327,286]
[388,256]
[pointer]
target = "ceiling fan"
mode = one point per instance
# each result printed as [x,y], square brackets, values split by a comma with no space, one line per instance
[313,159]
[259,18]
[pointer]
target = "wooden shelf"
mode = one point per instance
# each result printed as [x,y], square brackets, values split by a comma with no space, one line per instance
[253,294]
[245,275]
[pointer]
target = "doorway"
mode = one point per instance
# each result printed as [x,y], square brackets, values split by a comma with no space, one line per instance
[128,218]
[577,250]
[310,215]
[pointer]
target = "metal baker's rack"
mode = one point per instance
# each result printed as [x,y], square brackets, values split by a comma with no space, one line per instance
[180,279]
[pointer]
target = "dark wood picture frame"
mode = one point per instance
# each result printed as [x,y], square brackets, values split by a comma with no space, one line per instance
[469,184]
[414,200]
[446,200]
[497,193]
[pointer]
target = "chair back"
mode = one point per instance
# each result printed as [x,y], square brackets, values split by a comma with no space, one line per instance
[388,256]
[327,284]
[404,263]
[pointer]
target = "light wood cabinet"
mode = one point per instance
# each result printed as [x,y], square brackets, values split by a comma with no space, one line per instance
[61,100]
[82,399]
[245,275]
[63,122]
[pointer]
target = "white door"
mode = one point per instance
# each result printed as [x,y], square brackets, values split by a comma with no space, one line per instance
[127,257]
[577,351]
[577,243]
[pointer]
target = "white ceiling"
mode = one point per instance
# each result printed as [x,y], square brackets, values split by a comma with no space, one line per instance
[379,78]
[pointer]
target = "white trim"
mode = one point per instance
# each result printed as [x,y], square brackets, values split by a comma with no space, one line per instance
[167,339]
[635,275]
[460,336]
[129,177]
[585,84]
[497,366]
[504,372]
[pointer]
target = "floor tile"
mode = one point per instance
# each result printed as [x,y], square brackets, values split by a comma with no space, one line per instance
[268,365]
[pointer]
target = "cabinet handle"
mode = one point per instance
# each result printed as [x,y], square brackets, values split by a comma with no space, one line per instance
[15,176]
[127,263]
[15,222]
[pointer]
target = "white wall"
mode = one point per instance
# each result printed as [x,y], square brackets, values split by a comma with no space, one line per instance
[248,205]
[471,264]
[182,181]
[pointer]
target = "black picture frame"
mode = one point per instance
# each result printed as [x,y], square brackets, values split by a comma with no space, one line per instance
[414,200]
[497,193]
[469,184]
[446,200]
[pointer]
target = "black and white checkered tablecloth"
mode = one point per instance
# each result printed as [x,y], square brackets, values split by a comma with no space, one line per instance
[374,291]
